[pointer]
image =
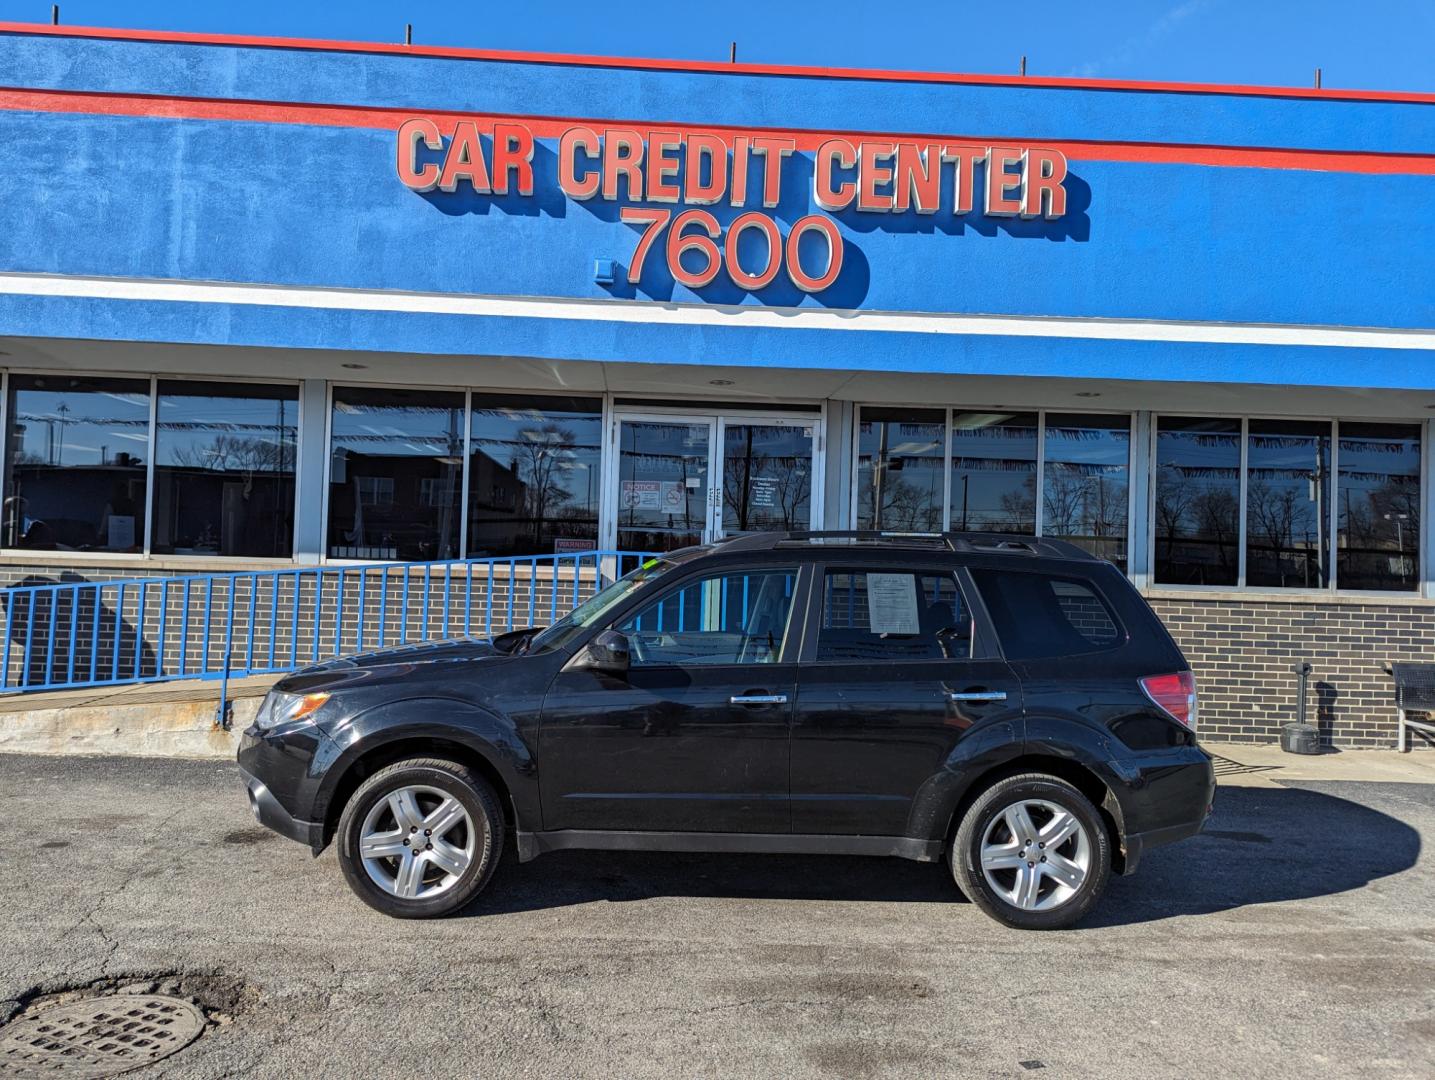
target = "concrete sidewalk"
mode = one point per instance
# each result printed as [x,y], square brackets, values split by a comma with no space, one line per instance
[1263,764]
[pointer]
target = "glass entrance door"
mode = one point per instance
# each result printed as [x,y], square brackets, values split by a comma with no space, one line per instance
[679,480]
[664,466]
[767,467]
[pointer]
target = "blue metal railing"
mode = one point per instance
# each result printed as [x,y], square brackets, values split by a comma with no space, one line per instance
[72,635]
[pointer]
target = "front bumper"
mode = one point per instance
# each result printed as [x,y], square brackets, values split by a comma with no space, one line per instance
[282,771]
[269,813]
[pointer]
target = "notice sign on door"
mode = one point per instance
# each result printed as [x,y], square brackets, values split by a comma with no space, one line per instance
[892,603]
[664,496]
[762,493]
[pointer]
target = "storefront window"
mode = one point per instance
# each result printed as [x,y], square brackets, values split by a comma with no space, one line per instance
[396,461]
[994,472]
[900,469]
[1087,482]
[224,469]
[1288,504]
[76,454]
[534,476]
[1378,506]
[1198,501]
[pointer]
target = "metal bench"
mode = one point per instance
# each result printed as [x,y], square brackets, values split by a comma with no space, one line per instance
[1414,692]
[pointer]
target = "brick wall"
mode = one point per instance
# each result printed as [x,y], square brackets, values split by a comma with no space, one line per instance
[1243,651]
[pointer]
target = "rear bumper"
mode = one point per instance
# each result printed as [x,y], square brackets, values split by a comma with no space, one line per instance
[269,813]
[1137,844]
[1171,801]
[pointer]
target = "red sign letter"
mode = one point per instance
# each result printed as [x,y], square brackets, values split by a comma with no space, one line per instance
[919,178]
[963,178]
[1044,196]
[999,182]
[512,152]
[622,156]
[573,140]
[772,151]
[834,153]
[714,149]
[464,160]
[411,133]
[870,174]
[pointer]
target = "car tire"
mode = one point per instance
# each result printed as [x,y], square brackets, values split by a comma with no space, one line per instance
[1000,858]
[420,838]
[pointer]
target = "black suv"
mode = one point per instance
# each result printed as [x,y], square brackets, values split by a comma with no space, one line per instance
[1012,703]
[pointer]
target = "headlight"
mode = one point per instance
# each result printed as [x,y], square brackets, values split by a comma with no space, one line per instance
[280,708]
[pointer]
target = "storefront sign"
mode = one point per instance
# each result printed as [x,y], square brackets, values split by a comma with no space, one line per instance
[699,169]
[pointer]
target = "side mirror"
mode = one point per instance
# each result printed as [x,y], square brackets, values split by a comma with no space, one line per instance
[608,652]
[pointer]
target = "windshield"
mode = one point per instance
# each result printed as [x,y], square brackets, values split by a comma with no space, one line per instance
[592,610]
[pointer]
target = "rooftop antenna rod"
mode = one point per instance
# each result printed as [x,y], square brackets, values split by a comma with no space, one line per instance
[732,53]
[1023,67]
[408,33]
[54,14]
[1317,78]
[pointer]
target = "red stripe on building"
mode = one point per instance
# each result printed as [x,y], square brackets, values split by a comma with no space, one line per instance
[708,67]
[547,127]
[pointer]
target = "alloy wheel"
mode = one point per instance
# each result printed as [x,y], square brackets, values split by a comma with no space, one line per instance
[1036,855]
[417,842]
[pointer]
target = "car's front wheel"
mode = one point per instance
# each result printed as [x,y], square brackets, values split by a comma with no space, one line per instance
[420,838]
[1032,852]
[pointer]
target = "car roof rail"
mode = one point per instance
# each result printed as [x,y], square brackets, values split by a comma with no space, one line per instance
[972,542]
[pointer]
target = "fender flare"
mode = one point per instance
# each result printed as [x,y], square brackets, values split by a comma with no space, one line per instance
[480,731]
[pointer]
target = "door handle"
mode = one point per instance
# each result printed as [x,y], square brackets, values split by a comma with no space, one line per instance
[758,699]
[977,695]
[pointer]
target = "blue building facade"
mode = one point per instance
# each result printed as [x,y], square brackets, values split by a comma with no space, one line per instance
[270,302]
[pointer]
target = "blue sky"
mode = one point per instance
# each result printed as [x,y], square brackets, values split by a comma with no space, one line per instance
[1369,44]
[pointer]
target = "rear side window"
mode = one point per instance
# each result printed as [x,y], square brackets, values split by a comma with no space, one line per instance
[1040,615]
[893,615]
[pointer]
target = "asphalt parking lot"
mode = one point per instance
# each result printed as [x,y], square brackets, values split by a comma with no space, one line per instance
[1296,937]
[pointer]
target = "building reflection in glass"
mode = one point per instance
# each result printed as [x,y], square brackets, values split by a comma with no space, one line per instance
[75,454]
[1086,494]
[1378,506]
[900,469]
[1288,504]
[396,458]
[534,475]
[1198,500]
[994,472]
[224,469]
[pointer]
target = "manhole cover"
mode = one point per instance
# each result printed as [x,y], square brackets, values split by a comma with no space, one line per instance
[100,1036]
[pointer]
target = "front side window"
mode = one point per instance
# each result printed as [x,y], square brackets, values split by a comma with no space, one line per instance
[396,460]
[900,469]
[1198,500]
[534,476]
[738,617]
[591,611]
[877,615]
[1087,482]
[1040,615]
[75,455]
[224,469]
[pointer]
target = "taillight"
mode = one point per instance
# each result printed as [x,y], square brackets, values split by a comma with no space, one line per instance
[1174,694]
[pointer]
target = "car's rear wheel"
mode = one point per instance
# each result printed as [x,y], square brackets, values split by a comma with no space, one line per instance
[1032,852]
[420,838]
